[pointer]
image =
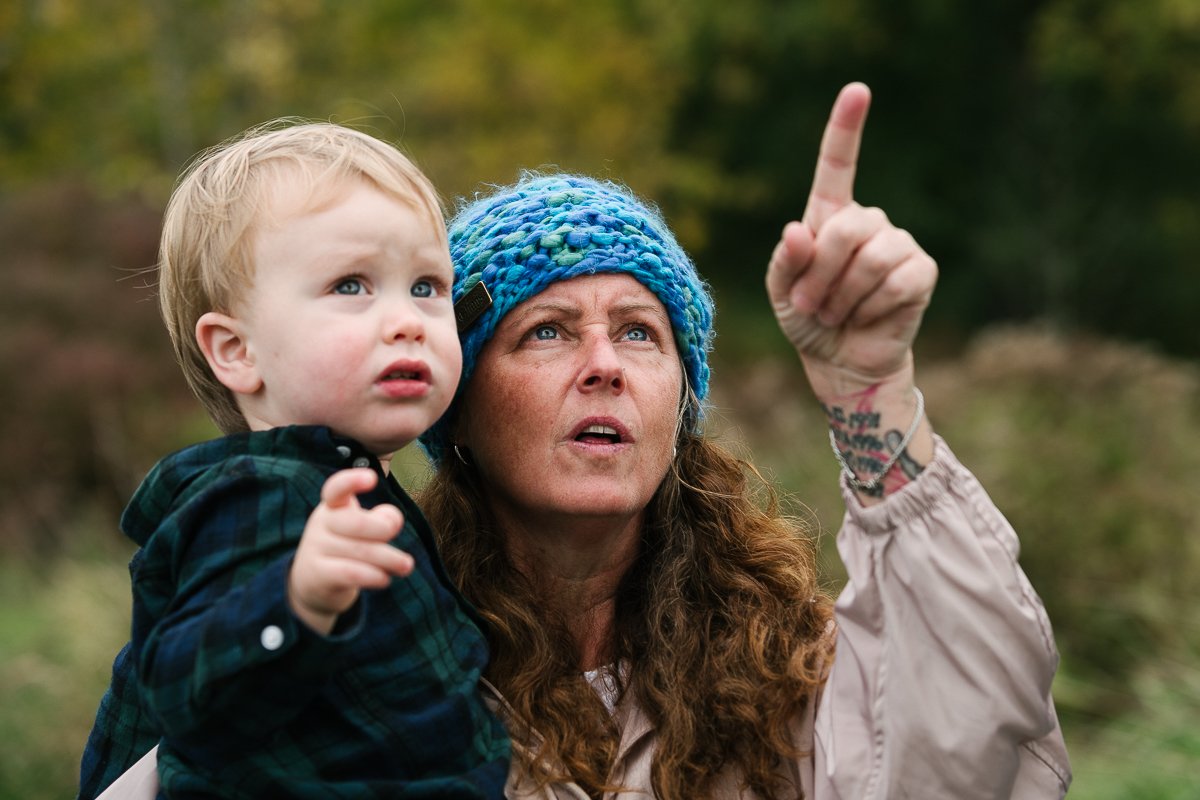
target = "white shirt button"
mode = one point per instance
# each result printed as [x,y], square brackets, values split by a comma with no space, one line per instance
[343,451]
[361,462]
[271,637]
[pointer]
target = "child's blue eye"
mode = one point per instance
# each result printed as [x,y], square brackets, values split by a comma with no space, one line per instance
[423,289]
[349,286]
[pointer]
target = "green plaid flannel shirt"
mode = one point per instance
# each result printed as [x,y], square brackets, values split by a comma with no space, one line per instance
[247,700]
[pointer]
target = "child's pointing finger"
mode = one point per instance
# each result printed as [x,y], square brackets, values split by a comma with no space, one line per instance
[343,486]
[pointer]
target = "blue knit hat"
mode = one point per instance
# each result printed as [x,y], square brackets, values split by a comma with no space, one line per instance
[520,239]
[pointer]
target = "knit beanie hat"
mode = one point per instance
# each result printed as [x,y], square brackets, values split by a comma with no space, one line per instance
[520,239]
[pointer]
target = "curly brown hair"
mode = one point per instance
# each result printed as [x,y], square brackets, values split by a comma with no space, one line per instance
[723,595]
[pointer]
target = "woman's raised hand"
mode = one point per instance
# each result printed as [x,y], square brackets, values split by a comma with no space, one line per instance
[848,287]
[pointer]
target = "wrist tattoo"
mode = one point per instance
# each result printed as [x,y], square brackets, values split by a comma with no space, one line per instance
[863,448]
[908,465]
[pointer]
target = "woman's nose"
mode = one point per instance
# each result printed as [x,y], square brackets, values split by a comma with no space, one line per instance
[602,366]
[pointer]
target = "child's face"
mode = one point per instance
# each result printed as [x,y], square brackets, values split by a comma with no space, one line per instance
[350,322]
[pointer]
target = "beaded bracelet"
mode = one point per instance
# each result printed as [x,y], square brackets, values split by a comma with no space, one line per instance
[871,484]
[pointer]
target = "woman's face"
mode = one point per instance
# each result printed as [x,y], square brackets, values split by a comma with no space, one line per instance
[572,409]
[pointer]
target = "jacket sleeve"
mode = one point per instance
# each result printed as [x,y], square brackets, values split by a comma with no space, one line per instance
[224,659]
[940,686]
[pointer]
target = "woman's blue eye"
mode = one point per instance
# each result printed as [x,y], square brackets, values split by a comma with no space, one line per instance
[349,286]
[423,288]
[545,332]
[638,334]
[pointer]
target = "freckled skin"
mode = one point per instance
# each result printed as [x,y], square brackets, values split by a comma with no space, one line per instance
[593,348]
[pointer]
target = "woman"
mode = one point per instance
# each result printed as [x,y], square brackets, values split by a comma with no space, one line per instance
[653,628]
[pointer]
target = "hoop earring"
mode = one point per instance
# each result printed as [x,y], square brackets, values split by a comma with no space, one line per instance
[459,454]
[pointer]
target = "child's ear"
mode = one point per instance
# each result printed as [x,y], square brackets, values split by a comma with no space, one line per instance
[224,345]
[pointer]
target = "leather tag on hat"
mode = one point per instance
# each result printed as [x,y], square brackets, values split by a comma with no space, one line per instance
[471,305]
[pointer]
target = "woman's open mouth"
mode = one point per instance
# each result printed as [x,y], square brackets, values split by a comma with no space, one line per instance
[599,434]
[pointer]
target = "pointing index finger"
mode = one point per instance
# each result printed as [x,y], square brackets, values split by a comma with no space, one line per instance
[342,486]
[833,182]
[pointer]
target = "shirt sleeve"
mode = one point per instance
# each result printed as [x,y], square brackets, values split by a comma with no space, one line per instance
[224,656]
[940,686]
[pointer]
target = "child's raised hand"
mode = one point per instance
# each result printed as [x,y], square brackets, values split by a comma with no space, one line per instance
[345,548]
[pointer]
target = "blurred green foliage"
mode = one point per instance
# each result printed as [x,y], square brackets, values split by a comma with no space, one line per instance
[1046,152]
[1092,450]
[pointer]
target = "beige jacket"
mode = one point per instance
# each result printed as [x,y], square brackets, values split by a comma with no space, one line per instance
[941,684]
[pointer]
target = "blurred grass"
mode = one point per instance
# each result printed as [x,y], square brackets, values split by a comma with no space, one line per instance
[1151,752]
[1091,448]
[60,626]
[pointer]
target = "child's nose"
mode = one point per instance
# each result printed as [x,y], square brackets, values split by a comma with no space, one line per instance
[404,322]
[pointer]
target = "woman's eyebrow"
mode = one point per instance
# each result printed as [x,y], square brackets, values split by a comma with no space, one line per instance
[569,311]
[561,310]
[642,308]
